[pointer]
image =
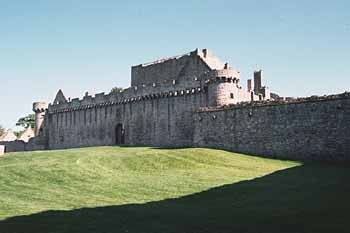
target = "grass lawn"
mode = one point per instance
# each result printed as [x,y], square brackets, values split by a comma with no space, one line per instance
[112,189]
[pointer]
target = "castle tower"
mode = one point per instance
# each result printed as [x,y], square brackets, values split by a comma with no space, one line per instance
[257,81]
[218,91]
[39,108]
[259,88]
[223,87]
[250,85]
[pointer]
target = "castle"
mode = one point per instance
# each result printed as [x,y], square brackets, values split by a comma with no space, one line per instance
[196,100]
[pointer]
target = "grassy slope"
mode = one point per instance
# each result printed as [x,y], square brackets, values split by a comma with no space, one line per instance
[295,194]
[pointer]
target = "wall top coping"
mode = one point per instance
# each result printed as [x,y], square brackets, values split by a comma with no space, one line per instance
[281,101]
[165,59]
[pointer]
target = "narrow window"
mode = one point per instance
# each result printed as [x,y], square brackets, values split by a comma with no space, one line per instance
[232,96]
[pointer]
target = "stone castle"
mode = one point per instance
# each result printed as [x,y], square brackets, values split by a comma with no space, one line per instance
[196,100]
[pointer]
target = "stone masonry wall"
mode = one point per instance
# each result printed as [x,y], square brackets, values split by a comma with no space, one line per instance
[19,145]
[182,68]
[155,120]
[14,146]
[309,129]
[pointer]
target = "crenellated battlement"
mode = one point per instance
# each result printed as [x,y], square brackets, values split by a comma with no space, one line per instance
[222,79]
[130,93]
[107,100]
[39,107]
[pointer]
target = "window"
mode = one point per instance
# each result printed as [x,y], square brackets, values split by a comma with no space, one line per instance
[232,96]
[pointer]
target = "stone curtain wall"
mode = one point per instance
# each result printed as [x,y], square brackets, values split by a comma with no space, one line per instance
[156,120]
[316,129]
[14,146]
[19,145]
[163,122]
[309,129]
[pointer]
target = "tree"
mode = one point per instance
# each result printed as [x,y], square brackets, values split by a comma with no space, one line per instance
[117,90]
[27,121]
[2,130]
[19,133]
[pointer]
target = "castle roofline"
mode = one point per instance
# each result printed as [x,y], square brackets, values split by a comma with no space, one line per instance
[206,55]
[164,59]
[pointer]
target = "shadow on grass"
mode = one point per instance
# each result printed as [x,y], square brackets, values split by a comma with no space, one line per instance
[308,198]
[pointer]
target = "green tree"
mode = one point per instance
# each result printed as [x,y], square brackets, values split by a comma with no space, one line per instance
[117,90]
[18,133]
[27,121]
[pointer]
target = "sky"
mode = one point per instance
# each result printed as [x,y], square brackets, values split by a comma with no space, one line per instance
[302,46]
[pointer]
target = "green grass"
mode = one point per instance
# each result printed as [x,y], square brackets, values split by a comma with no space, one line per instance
[112,189]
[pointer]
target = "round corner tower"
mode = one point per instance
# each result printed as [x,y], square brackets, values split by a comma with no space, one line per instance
[222,87]
[39,108]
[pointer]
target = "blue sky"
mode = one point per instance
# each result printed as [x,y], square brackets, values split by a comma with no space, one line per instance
[84,45]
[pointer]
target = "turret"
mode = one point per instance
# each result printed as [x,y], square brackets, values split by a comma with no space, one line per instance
[223,87]
[221,91]
[39,108]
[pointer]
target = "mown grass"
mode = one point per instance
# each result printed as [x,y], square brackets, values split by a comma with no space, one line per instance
[112,189]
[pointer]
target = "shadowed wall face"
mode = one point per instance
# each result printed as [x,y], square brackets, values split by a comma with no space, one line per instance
[310,130]
[154,122]
[14,146]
